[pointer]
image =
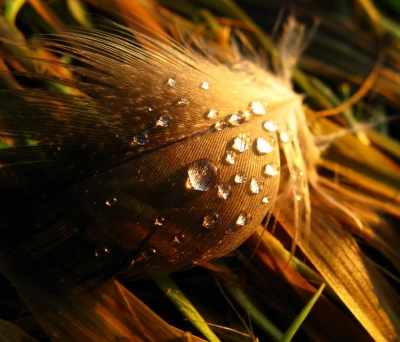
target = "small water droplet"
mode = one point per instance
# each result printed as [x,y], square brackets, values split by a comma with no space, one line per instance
[210,219]
[224,191]
[159,221]
[231,157]
[265,200]
[271,169]
[164,121]
[203,175]
[149,253]
[220,125]
[265,145]
[270,126]
[111,201]
[179,239]
[205,85]
[183,101]
[236,119]
[240,177]
[152,108]
[140,138]
[255,185]
[258,107]
[285,137]
[212,114]
[241,143]
[172,82]
[243,219]
[101,251]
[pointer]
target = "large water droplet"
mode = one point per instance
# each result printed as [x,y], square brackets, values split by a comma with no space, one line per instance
[271,169]
[99,252]
[111,201]
[241,143]
[220,125]
[140,138]
[240,177]
[265,145]
[270,126]
[164,121]
[183,101]
[231,157]
[258,107]
[243,219]
[149,253]
[224,191]
[236,119]
[203,175]
[212,114]
[210,219]
[255,185]
[205,85]
[172,82]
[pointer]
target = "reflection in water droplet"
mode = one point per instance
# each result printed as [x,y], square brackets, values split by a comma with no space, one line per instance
[271,169]
[240,177]
[243,219]
[111,201]
[179,239]
[101,251]
[266,145]
[140,139]
[205,85]
[152,108]
[149,253]
[285,137]
[210,219]
[258,107]
[241,143]
[164,121]
[270,126]
[255,185]
[159,221]
[265,200]
[224,191]
[203,175]
[212,114]
[236,119]
[183,101]
[231,157]
[172,82]
[220,125]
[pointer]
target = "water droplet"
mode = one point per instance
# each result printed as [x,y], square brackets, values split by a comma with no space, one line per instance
[205,85]
[243,219]
[240,177]
[152,108]
[203,175]
[164,121]
[172,82]
[179,238]
[298,182]
[140,139]
[224,191]
[236,119]
[265,200]
[220,125]
[149,253]
[212,114]
[271,169]
[285,137]
[241,143]
[258,107]
[265,145]
[255,185]
[183,101]
[111,201]
[231,157]
[159,221]
[210,219]
[101,251]
[270,126]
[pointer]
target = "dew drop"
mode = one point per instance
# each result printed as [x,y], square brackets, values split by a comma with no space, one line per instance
[271,169]
[172,82]
[270,126]
[164,121]
[220,125]
[265,145]
[179,239]
[258,107]
[241,143]
[255,185]
[265,200]
[205,85]
[183,101]
[111,201]
[240,177]
[243,219]
[99,252]
[152,108]
[224,191]
[210,219]
[203,175]
[149,253]
[231,157]
[236,119]
[212,114]
[285,137]
[159,221]
[140,138]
